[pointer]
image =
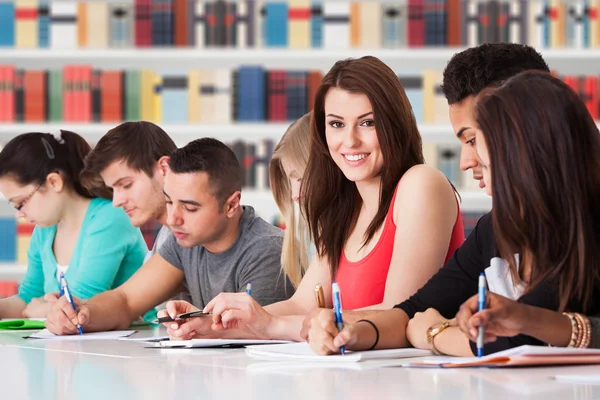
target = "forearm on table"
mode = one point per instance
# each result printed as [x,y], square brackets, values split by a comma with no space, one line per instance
[12,307]
[548,326]
[286,307]
[391,325]
[108,311]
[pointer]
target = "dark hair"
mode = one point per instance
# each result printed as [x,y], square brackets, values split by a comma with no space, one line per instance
[140,144]
[474,69]
[216,159]
[332,202]
[543,146]
[31,157]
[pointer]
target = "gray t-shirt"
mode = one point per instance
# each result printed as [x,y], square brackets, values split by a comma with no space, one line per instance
[161,238]
[255,258]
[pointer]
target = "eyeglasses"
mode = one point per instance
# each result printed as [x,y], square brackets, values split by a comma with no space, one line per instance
[26,199]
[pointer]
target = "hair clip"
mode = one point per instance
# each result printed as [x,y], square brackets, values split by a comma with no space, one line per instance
[49,150]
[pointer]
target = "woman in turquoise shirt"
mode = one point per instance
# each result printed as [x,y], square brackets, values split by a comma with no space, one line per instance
[77,231]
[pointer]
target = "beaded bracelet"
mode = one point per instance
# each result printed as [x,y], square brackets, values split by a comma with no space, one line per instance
[574,331]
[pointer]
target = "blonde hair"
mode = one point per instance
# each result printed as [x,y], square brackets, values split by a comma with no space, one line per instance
[294,147]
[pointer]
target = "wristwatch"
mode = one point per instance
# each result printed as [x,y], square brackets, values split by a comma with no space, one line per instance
[432,332]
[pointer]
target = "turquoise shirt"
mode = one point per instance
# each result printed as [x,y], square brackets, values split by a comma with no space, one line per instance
[109,250]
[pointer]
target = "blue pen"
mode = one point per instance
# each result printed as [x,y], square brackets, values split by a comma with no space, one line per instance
[249,289]
[337,310]
[62,285]
[69,298]
[481,328]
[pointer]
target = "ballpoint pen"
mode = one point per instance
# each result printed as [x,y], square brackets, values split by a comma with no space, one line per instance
[481,301]
[337,309]
[67,292]
[249,288]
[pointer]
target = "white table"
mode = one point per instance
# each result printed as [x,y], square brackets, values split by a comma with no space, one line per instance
[40,369]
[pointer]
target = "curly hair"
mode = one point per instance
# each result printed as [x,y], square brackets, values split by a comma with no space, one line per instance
[474,69]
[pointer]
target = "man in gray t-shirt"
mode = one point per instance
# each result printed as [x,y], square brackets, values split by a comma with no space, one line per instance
[216,245]
[255,258]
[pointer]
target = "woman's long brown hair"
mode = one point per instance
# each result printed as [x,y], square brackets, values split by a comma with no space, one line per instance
[544,150]
[332,202]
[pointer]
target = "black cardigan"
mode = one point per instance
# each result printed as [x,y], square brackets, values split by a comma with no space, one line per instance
[457,281]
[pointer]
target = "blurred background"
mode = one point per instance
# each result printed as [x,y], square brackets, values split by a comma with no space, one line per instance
[241,71]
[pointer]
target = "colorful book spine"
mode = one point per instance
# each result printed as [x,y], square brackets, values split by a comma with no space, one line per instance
[174,96]
[121,23]
[416,23]
[299,15]
[63,26]
[143,23]
[26,25]
[44,23]
[336,25]
[316,24]
[297,91]
[162,22]
[7,24]
[251,94]
[276,24]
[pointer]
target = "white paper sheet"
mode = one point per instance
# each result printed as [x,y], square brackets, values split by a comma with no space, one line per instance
[46,334]
[303,352]
[204,343]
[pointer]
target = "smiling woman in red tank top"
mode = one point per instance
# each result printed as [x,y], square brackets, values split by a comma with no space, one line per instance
[383,222]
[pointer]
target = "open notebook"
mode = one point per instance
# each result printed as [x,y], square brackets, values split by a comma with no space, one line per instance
[46,334]
[517,357]
[303,352]
[206,343]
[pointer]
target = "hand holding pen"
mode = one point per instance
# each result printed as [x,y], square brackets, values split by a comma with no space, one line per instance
[67,292]
[337,309]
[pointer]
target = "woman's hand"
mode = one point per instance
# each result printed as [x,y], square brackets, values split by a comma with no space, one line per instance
[501,317]
[416,331]
[39,307]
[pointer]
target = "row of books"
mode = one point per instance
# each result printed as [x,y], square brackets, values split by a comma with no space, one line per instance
[297,23]
[79,93]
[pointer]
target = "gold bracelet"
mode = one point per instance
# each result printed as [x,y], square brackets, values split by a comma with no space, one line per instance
[585,333]
[574,332]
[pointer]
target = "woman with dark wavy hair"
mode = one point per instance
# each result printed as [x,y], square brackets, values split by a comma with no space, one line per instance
[539,149]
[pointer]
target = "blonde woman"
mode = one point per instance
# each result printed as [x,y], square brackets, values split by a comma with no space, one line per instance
[287,166]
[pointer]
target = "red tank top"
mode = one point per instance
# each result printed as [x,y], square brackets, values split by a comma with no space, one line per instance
[362,283]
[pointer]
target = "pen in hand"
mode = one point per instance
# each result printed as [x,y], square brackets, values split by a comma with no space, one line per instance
[481,303]
[249,289]
[67,292]
[337,310]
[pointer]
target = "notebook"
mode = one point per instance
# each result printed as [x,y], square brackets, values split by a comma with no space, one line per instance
[46,334]
[22,324]
[303,352]
[517,357]
[207,343]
